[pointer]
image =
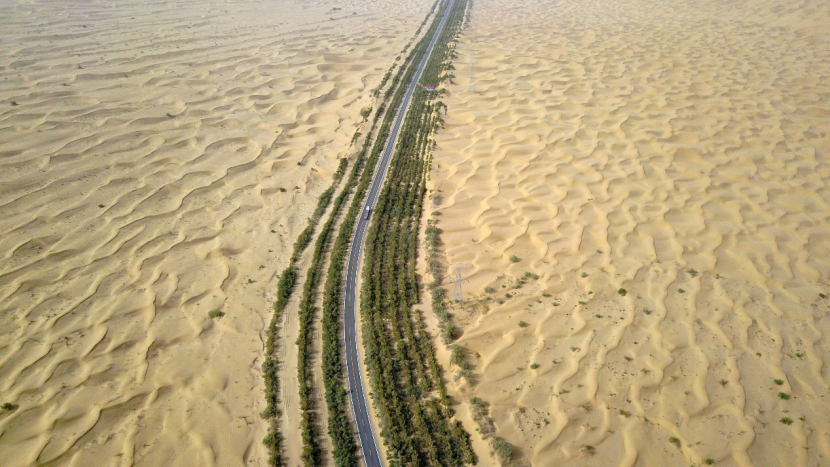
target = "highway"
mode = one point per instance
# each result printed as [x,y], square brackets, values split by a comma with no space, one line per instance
[357,389]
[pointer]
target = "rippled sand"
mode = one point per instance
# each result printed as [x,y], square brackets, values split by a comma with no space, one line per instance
[157,160]
[663,168]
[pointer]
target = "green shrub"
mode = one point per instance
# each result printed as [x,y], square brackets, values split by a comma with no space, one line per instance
[216,314]
[502,449]
[9,406]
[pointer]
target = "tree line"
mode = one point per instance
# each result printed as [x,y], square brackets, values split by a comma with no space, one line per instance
[406,378]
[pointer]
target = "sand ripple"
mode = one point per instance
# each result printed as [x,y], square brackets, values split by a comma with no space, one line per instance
[678,151]
[157,160]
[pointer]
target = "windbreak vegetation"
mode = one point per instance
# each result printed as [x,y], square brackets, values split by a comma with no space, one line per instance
[407,387]
[434,439]
[339,427]
[285,286]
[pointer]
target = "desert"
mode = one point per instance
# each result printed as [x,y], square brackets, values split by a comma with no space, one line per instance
[157,161]
[636,194]
[599,234]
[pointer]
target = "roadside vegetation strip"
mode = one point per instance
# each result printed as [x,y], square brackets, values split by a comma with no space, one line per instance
[344,448]
[406,378]
[358,180]
[333,372]
[361,174]
[285,286]
[405,48]
[287,281]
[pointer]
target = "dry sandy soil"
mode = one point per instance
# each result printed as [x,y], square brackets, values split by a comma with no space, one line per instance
[157,160]
[663,168]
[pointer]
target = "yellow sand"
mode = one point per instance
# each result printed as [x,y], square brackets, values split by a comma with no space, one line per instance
[157,161]
[676,150]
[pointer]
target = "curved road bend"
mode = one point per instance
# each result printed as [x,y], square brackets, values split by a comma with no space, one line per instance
[360,405]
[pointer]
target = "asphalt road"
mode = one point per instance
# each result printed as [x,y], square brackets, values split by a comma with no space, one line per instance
[360,405]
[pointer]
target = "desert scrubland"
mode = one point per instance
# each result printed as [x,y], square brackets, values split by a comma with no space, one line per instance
[637,193]
[157,161]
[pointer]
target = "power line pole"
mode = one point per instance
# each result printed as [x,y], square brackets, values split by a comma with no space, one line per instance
[458,294]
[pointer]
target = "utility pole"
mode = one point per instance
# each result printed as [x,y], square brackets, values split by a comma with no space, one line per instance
[458,294]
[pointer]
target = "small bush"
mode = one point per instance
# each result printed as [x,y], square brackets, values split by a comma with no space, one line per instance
[692,272]
[779,381]
[709,461]
[784,396]
[269,412]
[622,292]
[674,441]
[502,449]
[583,275]
[216,314]
[534,366]
[625,413]
[9,406]
[787,421]
[515,259]
[522,324]
[489,289]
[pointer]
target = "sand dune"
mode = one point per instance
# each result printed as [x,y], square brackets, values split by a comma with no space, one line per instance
[660,170]
[157,160]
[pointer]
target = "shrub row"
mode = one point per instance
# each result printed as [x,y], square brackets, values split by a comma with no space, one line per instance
[333,371]
[285,287]
[481,415]
[338,424]
[406,378]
